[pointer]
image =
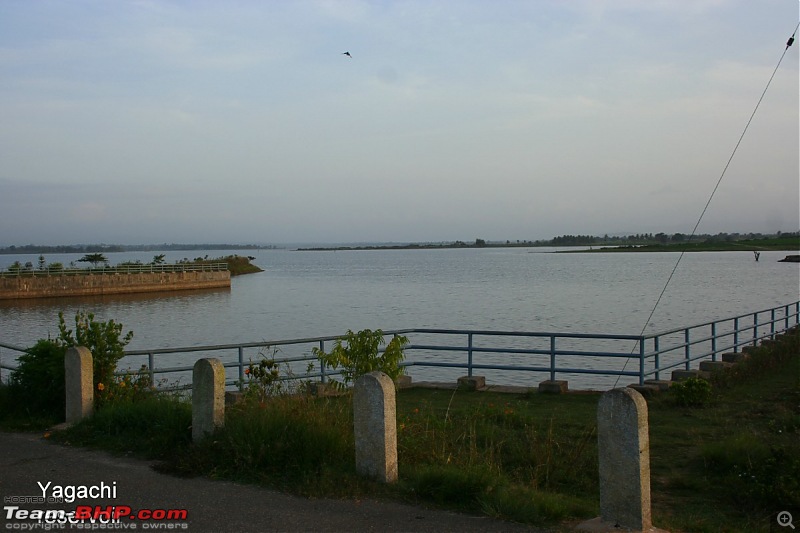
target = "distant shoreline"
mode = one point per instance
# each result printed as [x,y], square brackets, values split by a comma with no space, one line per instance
[647,242]
[780,244]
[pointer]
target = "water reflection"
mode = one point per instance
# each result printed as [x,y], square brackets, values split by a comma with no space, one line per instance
[94,301]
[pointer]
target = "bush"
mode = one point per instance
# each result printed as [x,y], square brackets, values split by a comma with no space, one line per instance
[693,392]
[36,386]
[360,355]
[107,344]
[264,380]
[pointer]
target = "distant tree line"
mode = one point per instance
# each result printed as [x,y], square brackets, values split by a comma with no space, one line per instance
[658,238]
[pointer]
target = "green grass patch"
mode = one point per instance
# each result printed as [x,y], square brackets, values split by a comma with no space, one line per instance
[156,427]
[727,465]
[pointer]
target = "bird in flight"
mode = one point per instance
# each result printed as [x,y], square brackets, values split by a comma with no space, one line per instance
[347,54]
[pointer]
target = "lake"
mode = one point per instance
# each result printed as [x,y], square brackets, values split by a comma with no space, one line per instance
[306,294]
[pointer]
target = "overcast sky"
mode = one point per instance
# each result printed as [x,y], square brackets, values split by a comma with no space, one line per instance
[242,121]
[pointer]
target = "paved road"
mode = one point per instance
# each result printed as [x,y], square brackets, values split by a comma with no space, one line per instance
[213,506]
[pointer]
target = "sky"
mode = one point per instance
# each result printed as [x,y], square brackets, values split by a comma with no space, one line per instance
[154,121]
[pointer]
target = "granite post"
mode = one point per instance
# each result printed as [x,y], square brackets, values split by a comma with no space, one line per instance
[624,462]
[375,426]
[78,383]
[208,397]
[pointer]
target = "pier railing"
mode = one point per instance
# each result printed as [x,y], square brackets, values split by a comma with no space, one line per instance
[119,269]
[503,357]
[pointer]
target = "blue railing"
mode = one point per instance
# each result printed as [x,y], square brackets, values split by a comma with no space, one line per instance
[507,355]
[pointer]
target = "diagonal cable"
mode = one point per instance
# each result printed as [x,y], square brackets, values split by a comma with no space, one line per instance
[711,197]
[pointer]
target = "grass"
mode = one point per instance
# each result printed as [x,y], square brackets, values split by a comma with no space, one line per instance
[729,465]
[723,466]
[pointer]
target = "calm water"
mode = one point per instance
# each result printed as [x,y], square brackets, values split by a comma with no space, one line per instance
[304,294]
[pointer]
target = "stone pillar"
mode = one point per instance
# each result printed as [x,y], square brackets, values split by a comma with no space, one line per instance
[624,448]
[208,397]
[375,426]
[78,383]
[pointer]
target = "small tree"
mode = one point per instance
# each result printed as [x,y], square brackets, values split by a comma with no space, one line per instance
[94,259]
[158,259]
[42,263]
[360,356]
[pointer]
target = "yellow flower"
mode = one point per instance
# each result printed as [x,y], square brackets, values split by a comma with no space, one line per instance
[100,386]
[121,383]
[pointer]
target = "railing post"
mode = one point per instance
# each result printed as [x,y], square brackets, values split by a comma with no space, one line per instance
[150,365]
[552,357]
[469,354]
[658,356]
[241,368]
[687,349]
[755,328]
[786,317]
[323,377]
[772,324]
[713,341]
[641,361]
[736,334]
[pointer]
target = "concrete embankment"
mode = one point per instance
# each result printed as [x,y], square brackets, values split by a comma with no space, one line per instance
[22,287]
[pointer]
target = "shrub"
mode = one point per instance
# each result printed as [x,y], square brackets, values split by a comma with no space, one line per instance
[264,380]
[37,384]
[693,392]
[107,344]
[360,355]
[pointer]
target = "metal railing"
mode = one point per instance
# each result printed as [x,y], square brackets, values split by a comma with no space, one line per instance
[502,352]
[119,269]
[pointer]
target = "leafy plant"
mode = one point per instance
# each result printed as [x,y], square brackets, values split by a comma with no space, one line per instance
[107,344]
[692,392]
[357,354]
